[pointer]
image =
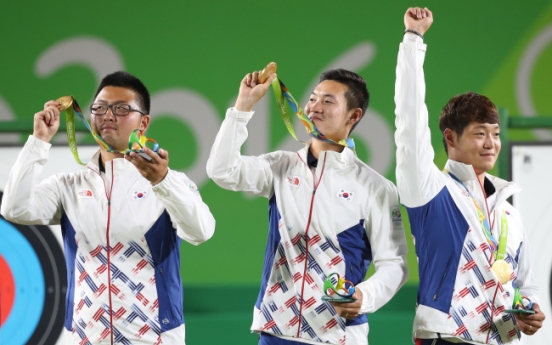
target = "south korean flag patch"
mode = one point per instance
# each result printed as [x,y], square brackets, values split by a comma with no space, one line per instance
[345,195]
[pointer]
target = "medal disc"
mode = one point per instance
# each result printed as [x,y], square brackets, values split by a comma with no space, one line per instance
[267,71]
[64,102]
[502,271]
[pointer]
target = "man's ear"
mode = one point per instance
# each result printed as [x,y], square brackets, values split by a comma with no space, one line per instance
[355,116]
[144,122]
[451,138]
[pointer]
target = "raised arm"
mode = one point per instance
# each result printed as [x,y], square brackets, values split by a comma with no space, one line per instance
[418,179]
[226,166]
[25,201]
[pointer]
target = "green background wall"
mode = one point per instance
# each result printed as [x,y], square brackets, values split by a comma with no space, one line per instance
[192,56]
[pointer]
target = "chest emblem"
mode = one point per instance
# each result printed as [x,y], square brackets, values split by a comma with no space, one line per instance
[139,194]
[345,195]
[85,194]
[294,181]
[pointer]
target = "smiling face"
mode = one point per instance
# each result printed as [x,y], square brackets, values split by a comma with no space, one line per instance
[115,130]
[327,108]
[478,145]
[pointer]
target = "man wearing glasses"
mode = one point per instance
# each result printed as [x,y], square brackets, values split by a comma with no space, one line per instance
[122,222]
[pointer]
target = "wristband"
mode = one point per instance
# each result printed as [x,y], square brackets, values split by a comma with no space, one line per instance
[414,32]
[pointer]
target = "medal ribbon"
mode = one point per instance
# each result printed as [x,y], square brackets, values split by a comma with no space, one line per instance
[501,253]
[482,219]
[282,96]
[135,144]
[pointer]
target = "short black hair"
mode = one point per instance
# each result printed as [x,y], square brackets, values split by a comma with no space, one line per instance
[357,96]
[127,81]
[461,110]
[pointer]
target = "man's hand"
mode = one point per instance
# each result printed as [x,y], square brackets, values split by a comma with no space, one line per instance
[418,19]
[251,91]
[530,323]
[349,310]
[46,122]
[154,170]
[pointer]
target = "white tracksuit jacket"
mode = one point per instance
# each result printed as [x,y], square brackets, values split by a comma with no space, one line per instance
[459,295]
[337,218]
[116,227]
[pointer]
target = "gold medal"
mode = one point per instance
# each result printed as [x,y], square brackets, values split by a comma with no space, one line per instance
[502,271]
[65,102]
[267,71]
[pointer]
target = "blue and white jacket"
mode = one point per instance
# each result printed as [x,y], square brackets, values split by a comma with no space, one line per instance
[459,295]
[338,217]
[122,244]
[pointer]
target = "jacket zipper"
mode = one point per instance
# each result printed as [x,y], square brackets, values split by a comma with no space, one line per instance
[108,244]
[442,279]
[315,186]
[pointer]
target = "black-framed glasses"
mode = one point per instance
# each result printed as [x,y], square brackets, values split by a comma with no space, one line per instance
[116,109]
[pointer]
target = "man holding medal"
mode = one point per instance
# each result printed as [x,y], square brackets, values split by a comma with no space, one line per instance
[330,215]
[476,284]
[122,220]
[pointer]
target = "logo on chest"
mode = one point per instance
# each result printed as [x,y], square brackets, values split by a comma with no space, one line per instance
[85,194]
[294,181]
[345,195]
[139,194]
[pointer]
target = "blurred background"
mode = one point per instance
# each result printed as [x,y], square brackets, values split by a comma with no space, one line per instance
[192,56]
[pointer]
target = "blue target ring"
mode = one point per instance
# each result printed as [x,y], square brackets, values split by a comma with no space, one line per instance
[35,260]
[29,284]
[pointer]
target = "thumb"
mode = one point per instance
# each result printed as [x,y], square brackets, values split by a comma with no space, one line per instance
[164,154]
[270,79]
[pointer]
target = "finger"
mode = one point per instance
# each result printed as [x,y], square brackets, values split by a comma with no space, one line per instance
[247,79]
[429,13]
[47,117]
[418,13]
[255,78]
[137,160]
[51,104]
[164,154]
[155,159]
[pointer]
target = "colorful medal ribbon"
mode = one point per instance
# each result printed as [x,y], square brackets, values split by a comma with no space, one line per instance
[484,221]
[70,105]
[282,96]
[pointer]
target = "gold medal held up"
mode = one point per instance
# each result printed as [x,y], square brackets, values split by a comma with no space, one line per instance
[502,271]
[267,71]
[65,102]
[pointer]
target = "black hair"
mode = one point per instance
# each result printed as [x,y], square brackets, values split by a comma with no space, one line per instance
[127,81]
[357,96]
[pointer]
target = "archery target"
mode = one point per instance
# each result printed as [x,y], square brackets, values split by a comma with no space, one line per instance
[34,284]
[33,276]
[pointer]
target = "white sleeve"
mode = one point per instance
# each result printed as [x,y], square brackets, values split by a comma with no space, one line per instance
[418,179]
[25,201]
[191,217]
[525,279]
[386,235]
[228,168]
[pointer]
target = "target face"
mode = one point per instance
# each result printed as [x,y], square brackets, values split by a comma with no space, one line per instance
[33,282]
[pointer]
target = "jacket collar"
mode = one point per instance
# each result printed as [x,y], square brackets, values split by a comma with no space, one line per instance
[466,174]
[333,158]
[120,165]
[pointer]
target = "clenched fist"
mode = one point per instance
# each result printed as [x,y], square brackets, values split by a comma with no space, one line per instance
[418,19]
[46,122]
